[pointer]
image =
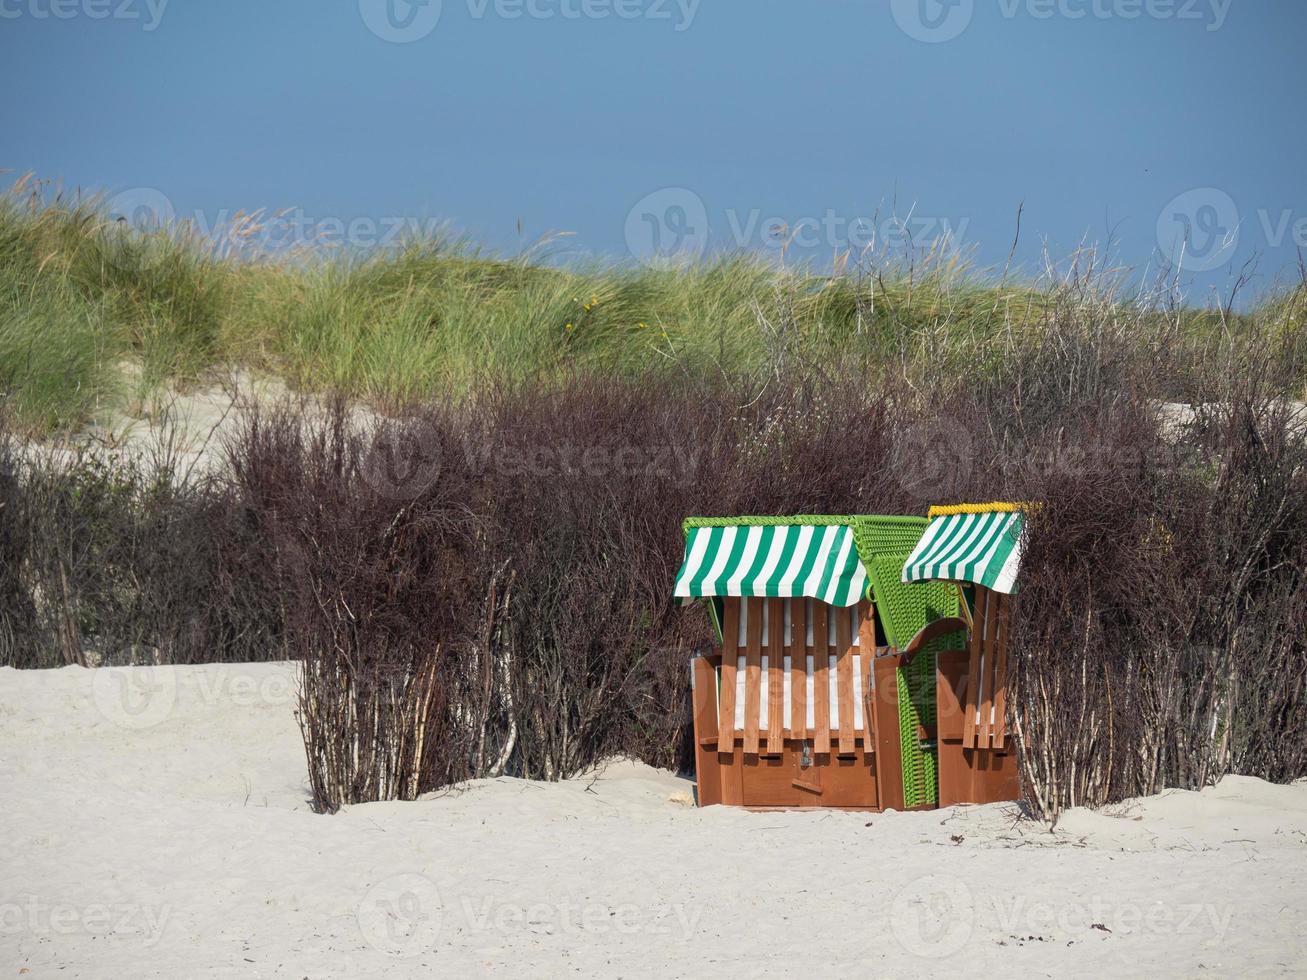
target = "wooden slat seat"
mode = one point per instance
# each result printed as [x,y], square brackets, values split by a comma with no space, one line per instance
[772,689]
[975,762]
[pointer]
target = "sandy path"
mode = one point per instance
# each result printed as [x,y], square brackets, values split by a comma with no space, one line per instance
[167,836]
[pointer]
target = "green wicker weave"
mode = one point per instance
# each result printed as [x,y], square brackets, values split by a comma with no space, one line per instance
[917,707]
[878,535]
[904,608]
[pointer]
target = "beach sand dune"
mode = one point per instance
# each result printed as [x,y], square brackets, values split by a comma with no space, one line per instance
[156,825]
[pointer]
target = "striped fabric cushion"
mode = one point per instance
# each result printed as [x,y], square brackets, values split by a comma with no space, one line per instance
[783,561]
[981,548]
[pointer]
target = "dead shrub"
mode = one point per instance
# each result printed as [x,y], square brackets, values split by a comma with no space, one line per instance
[483,588]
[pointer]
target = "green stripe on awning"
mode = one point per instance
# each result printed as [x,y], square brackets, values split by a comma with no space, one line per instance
[981,548]
[820,562]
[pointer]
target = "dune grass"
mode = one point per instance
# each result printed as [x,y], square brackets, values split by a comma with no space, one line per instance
[80,296]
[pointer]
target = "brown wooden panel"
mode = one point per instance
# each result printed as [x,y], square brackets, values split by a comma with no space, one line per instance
[732,768]
[799,668]
[976,775]
[730,655]
[967,774]
[844,676]
[850,782]
[776,676]
[866,654]
[782,782]
[889,750]
[985,696]
[1000,675]
[993,776]
[972,691]
[708,773]
[753,676]
[820,679]
[950,705]
[953,772]
[950,680]
[769,781]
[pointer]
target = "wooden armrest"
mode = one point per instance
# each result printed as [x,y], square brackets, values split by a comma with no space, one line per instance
[933,631]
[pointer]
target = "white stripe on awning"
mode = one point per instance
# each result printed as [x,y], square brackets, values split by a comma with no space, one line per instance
[983,548]
[785,560]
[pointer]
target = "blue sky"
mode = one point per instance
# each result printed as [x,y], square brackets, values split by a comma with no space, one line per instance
[648,126]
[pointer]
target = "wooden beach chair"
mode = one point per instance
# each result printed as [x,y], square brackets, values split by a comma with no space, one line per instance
[838,682]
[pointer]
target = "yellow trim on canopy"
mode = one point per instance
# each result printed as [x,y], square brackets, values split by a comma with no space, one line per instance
[993,508]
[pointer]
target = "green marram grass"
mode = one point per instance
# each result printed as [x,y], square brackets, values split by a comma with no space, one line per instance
[82,296]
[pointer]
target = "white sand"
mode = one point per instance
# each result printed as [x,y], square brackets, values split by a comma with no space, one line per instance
[168,836]
[187,425]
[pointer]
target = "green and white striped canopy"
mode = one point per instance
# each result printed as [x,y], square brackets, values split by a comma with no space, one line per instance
[820,562]
[983,548]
